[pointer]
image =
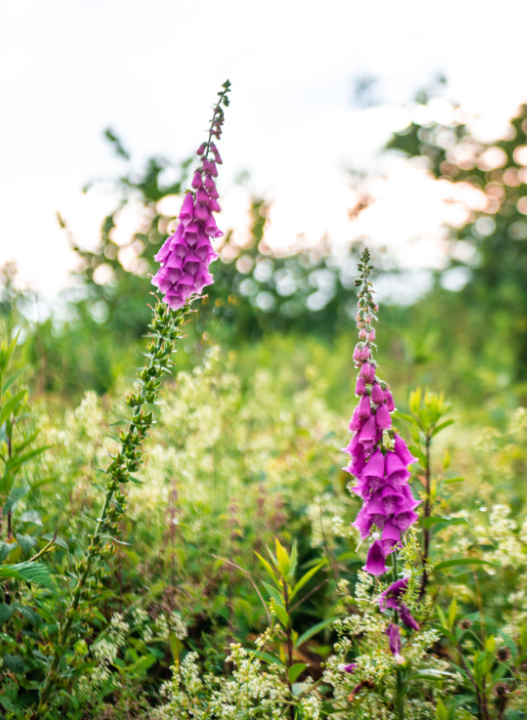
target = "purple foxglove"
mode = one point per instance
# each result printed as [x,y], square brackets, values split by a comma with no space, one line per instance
[347,668]
[391,597]
[402,452]
[394,641]
[391,538]
[405,519]
[364,408]
[407,617]
[360,387]
[186,255]
[382,474]
[365,352]
[396,472]
[390,404]
[367,435]
[374,468]
[363,522]
[375,564]
[383,417]
[209,183]
[365,371]
[355,423]
[377,395]
[392,500]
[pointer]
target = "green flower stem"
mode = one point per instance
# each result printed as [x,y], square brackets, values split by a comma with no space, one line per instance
[165,330]
[399,688]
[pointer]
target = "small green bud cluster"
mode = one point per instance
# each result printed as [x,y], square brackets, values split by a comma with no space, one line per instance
[165,329]
[367,306]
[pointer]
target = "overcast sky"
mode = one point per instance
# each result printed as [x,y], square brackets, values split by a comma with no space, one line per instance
[150,70]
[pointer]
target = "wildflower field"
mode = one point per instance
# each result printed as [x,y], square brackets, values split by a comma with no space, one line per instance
[278,504]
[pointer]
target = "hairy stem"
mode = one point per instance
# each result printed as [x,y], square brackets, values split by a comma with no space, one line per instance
[165,330]
[427,513]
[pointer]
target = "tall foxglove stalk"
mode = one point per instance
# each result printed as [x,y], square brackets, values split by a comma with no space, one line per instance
[181,278]
[379,456]
[186,255]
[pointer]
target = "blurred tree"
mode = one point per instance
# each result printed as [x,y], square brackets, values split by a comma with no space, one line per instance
[487,315]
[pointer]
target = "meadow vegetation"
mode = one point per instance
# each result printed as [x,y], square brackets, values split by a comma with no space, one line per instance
[228,581]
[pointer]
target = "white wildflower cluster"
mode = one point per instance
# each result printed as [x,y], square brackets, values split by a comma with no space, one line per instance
[105,651]
[254,690]
[369,690]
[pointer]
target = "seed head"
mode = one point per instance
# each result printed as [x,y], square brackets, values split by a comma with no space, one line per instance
[503,654]
[502,690]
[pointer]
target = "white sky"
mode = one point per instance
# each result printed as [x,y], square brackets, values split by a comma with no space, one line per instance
[150,70]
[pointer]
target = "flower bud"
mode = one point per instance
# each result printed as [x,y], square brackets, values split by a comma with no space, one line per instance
[196,180]
[377,394]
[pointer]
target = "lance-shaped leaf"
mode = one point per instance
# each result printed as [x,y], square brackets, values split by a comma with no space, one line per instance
[314,630]
[455,562]
[305,579]
[12,405]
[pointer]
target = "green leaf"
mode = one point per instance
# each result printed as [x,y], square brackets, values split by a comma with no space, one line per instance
[275,594]
[268,567]
[29,614]
[441,711]
[142,665]
[450,481]
[15,495]
[293,561]
[348,555]
[27,543]
[27,441]
[29,571]
[462,561]
[12,406]
[401,416]
[268,657]
[5,549]
[282,558]
[15,462]
[304,579]
[5,612]
[5,353]
[14,663]
[314,630]
[10,706]
[419,455]
[295,671]
[444,522]
[282,615]
[415,401]
[441,616]
[57,540]
[452,612]
[442,426]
